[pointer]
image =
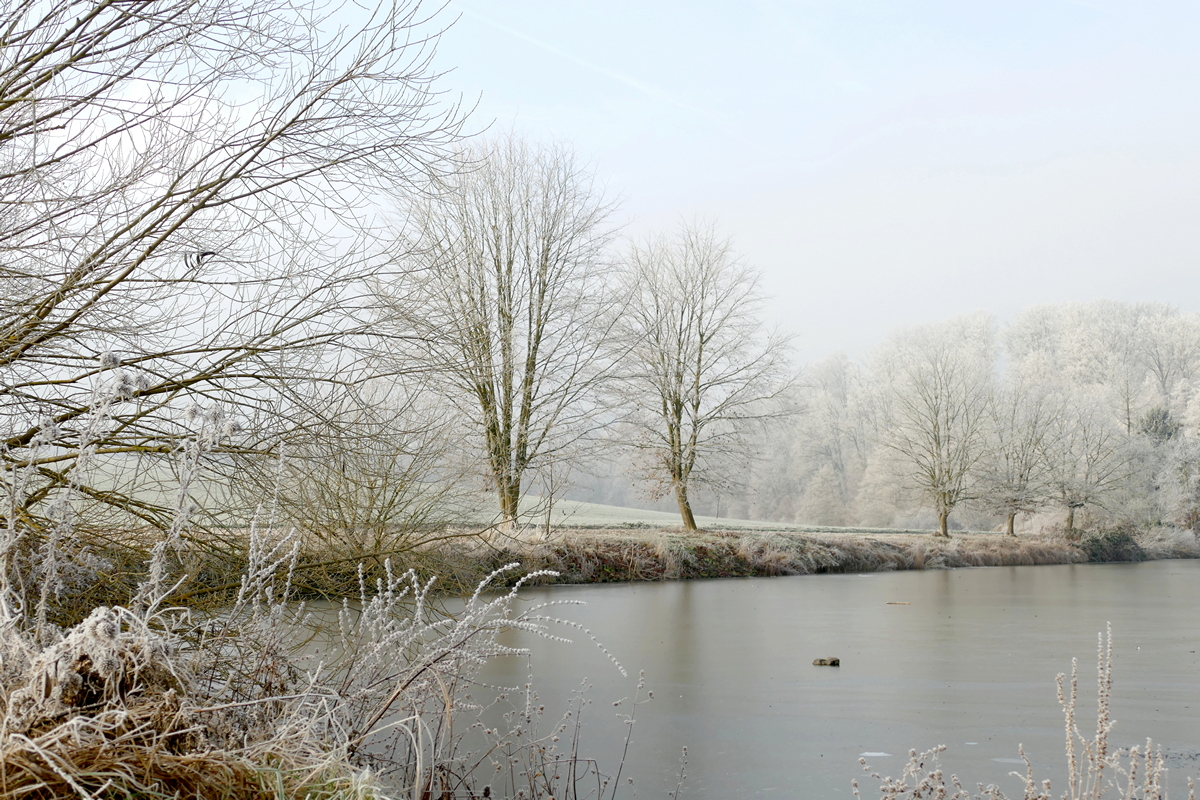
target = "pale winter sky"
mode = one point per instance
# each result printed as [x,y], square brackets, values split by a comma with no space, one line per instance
[883,163]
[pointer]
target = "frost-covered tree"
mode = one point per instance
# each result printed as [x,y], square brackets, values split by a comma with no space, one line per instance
[507,304]
[1086,345]
[1020,429]
[1139,355]
[833,439]
[1091,460]
[1170,349]
[1128,365]
[699,373]
[169,172]
[1099,412]
[937,383]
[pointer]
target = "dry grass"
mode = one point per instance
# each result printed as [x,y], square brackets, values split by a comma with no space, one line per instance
[145,703]
[588,556]
[114,709]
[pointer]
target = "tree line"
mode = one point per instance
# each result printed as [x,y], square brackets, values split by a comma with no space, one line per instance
[1073,414]
[253,257]
[314,288]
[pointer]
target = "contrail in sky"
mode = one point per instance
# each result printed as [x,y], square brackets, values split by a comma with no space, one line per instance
[632,83]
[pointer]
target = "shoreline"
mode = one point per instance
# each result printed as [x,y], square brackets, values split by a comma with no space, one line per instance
[462,557]
[630,555]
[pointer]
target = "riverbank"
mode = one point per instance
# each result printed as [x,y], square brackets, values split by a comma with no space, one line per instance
[462,557]
[222,702]
[630,555]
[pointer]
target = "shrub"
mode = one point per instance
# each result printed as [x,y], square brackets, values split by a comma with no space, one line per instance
[1119,543]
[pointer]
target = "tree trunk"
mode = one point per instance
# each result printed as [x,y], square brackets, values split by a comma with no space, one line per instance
[1008,528]
[685,507]
[1071,523]
[510,497]
[943,524]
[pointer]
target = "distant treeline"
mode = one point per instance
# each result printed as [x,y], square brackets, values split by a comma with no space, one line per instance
[1074,415]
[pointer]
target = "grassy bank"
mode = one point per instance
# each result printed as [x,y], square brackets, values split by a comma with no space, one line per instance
[334,568]
[613,555]
[151,701]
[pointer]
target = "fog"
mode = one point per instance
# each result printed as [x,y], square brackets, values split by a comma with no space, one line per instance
[882,165]
[290,303]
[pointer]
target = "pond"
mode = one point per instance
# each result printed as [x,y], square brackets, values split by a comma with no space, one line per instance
[965,658]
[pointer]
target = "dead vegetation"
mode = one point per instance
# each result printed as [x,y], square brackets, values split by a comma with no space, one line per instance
[616,555]
[598,556]
[114,708]
[151,702]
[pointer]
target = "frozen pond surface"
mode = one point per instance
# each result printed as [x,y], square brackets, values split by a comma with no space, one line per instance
[969,663]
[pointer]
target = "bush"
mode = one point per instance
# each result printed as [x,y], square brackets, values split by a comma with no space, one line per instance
[1106,545]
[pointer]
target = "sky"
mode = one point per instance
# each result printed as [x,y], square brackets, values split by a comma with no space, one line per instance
[882,164]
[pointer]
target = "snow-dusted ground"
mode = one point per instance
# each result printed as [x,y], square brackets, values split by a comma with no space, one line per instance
[580,514]
[156,483]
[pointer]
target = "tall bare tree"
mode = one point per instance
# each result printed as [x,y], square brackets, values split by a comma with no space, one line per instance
[1091,460]
[938,381]
[701,371]
[508,304]
[1021,429]
[169,170]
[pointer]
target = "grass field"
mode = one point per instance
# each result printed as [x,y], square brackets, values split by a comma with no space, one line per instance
[156,484]
[576,514]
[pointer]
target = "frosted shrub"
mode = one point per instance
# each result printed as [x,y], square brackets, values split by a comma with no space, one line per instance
[1169,542]
[392,700]
[157,701]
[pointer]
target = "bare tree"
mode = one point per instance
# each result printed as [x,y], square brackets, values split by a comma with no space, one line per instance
[507,303]
[701,372]
[938,381]
[169,170]
[1020,430]
[1091,460]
